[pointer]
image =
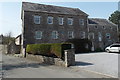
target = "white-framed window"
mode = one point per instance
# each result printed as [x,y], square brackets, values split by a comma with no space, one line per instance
[50,20]
[82,34]
[54,34]
[37,19]
[91,36]
[99,36]
[108,35]
[70,34]
[38,34]
[81,22]
[70,21]
[60,19]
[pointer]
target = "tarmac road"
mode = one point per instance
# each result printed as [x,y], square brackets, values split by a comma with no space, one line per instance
[15,67]
[101,62]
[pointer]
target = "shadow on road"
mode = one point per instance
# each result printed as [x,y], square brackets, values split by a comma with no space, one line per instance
[79,63]
[22,65]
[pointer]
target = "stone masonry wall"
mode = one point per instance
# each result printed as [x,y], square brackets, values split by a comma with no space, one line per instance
[69,59]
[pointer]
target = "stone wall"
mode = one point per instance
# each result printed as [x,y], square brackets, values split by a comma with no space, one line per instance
[29,27]
[69,59]
[104,42]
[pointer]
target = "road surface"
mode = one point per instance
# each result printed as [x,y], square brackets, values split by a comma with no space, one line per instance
[15,67]
[101,62]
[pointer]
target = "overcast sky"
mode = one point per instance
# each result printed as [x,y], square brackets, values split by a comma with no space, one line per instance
[10,12]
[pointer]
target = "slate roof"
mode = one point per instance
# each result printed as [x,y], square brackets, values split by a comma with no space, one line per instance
[100,21]
[27,6]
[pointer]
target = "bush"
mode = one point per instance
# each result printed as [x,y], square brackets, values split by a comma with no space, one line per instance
[43,49]
[54,49]
[80,45]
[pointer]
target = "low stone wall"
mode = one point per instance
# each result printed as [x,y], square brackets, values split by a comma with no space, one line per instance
[69,59]
[46,60]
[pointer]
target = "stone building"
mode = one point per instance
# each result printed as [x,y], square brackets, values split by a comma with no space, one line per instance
[51,24]
[102,33]
[54,24]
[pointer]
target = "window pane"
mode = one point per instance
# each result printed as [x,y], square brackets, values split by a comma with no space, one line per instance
[70,34]
[70,21]
[108,35]
[38,34]
[50,20]
[81,21]
[54,35]
[60,21]
[99,36]
[91,36]
[37,19]
[82,34]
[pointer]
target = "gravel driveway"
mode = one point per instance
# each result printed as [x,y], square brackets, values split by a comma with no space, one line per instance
[101,62]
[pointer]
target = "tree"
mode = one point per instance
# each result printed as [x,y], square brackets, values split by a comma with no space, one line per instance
[115,17]
[8,38]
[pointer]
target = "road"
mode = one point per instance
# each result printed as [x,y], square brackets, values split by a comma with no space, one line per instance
[15,67]
[101,62]
[1,49]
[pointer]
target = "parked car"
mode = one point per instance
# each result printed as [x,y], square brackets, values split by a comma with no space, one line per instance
[113,48]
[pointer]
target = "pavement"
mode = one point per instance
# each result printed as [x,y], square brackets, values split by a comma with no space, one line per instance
[1,48]
[101,63]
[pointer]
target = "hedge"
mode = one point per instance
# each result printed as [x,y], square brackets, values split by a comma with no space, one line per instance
[38,49]
[54,49]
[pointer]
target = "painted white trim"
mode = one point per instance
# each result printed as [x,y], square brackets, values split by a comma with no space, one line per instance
[38,17]
[50,17]
[70,19]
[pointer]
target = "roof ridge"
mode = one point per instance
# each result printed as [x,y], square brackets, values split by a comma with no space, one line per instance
[111,22]
[51,5]
[59,9]
[97,18]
